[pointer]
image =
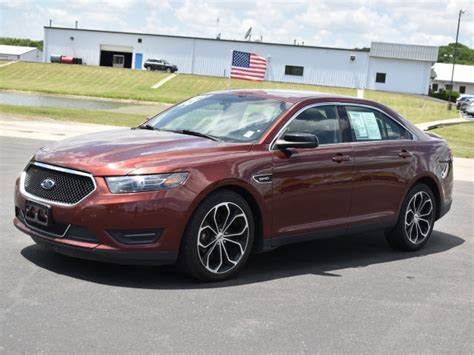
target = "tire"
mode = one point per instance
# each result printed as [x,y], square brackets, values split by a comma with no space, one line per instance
[147,68]
[416,220]
[168,70]
[206,253]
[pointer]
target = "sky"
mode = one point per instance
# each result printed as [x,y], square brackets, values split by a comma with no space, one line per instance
[331,23]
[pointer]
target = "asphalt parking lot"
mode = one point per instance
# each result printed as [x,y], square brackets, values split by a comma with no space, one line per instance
[349,294]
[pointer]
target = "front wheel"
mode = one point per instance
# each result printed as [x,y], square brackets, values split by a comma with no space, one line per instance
[219,237]
[416,220]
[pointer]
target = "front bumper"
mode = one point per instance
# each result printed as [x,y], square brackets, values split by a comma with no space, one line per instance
[98,217]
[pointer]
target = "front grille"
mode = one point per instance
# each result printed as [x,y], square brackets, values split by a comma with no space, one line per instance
[69,188]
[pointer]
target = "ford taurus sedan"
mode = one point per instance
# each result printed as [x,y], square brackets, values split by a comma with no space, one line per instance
[221,175]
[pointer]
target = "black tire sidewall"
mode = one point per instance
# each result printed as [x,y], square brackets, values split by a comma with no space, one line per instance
[189,259]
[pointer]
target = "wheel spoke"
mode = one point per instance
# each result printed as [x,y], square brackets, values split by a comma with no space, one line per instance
[235,234]
[208,254]
[427,224]
[232,222]
[227,255]
[415,234]
[237,243]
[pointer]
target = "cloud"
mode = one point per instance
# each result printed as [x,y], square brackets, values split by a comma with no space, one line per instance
[345,23]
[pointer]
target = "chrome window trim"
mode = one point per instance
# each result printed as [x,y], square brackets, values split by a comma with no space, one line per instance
[278,135]
[57,168]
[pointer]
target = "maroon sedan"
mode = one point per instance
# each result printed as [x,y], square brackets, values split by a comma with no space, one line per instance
[218,176]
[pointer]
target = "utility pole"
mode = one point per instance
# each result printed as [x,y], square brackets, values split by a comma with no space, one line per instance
[454,59]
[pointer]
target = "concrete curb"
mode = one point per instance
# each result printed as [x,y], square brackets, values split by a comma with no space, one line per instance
[426,126]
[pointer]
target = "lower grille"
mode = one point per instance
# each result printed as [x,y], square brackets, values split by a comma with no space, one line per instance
[53,230]
[57,184]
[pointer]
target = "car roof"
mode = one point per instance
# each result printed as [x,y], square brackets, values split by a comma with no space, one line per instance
[292,96]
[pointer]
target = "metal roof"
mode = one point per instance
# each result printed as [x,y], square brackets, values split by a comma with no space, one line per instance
[15,50]
[462,73]
[203,38]
[404,51]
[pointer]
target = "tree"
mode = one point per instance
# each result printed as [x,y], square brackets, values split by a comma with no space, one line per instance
[21,42]
[464,55]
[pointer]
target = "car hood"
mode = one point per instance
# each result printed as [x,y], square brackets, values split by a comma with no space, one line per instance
[138,151]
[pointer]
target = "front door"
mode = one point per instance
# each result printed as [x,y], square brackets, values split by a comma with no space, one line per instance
[312,187]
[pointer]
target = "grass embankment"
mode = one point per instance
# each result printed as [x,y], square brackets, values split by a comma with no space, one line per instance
[460,139]
[134,84]
[84,116]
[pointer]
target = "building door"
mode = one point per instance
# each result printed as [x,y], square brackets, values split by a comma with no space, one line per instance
[118,60]
[108,52]
[138,60]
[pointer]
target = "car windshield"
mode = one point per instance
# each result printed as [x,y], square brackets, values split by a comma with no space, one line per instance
[227,117]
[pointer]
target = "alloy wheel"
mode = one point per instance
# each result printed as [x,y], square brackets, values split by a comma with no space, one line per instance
[223,237]
[419,217]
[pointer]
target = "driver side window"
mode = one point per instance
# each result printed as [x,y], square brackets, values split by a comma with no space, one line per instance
[321,121]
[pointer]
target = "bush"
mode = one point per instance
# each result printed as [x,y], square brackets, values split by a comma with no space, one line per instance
[444,95]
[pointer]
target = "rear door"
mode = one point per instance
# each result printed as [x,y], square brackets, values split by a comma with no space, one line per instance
[383,165]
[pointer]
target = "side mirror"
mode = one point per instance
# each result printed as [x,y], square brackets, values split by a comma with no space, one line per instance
[297,140]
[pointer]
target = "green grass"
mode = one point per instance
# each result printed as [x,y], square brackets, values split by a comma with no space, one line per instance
[80,80]
[133,84]
[84,116]
[417,109]
[460,139]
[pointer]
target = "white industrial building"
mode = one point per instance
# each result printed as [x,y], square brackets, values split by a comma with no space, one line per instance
[463,80]
[27,54]
[386,66]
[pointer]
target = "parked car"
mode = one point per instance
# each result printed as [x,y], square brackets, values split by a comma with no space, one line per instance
[223,174]
[160,64]
[465,104]
[463,98]
[470,109]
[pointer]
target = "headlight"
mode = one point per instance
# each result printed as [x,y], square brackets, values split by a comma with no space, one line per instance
[141,183]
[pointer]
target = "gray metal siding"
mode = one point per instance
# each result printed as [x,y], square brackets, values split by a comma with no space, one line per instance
[404,51]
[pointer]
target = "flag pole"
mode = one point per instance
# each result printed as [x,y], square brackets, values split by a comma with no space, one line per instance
[230,68]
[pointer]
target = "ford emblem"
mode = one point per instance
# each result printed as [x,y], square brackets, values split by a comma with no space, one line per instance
[48,184]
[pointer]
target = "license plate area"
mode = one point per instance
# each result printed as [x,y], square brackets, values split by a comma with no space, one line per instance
[37,213]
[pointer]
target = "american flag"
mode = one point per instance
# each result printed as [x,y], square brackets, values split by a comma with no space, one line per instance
[248,66]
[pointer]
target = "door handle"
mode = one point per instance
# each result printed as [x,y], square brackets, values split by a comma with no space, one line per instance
[339,158]
[405,154]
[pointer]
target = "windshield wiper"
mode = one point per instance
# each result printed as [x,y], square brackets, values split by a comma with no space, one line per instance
[194,133]
[147,126]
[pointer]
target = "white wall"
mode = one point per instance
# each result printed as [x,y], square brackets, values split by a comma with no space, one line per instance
[329,67]
[33,56]
[442,85]
[408,76]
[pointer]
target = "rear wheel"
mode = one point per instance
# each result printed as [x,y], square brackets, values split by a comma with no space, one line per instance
[416,220]
[219,237]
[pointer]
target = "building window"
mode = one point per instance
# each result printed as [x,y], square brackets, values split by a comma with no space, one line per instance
[139,40]
[462,89]
[434,87]
[293,70]
[448,87]
[380,77]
